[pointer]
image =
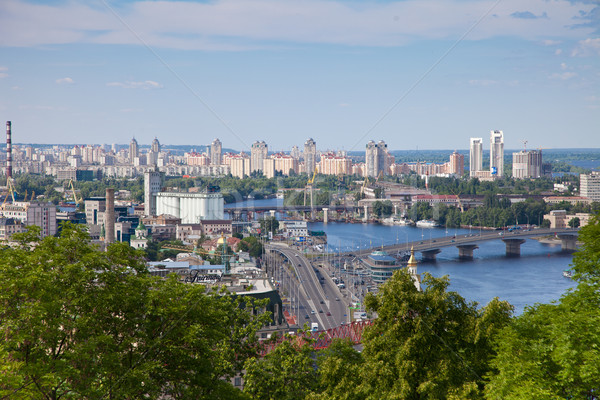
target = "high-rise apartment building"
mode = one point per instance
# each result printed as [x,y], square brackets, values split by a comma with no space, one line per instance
[295,152]
[332,164]
[153,182]
[310,156]
[154,152]
[475,156]
[527,164]
[239,164]
[589,186]
[258,153]
[134,150]
[376,158]
[279,163]
[497,153]
[155,147]
[215,152]
[457,164]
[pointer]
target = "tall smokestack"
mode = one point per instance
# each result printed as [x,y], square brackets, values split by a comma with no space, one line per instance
[8,152]
[109,217]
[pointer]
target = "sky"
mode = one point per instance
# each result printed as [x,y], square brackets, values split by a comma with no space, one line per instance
[418,74]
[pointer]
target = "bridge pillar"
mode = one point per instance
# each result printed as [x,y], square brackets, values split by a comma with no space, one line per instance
[429,255]
[366,218]
[465,251]
[568,242]
[513,247]
[325,215]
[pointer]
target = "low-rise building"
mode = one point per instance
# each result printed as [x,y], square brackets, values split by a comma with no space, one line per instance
[559,219]
[10,226]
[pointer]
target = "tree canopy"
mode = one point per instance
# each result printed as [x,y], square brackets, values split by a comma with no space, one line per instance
[78,323]
[552,351]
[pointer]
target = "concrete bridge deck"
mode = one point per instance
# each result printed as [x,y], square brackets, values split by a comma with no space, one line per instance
[467,243]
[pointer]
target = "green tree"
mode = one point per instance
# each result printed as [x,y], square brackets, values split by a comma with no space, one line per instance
[78,323]
[339,367]
[574,222]
[552,351]
[427,345]
[269,224]
[286,373]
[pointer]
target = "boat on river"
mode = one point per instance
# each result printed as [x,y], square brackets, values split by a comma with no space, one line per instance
[427,223]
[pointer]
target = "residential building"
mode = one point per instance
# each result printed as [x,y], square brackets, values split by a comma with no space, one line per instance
[239,164]
[33,213]
[376,159]
[133,150]
[589,186]
[10,226]
[527,164]
[258,153]
[332,164]
[475,156]
[216,149]
[279,163]
[497,153]
[194,158]
[559,219]
[310,156]
[457,164]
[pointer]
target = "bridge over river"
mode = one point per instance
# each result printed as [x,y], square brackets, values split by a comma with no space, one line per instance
[466,243]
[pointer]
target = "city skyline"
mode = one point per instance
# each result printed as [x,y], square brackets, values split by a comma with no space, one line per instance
[414,74]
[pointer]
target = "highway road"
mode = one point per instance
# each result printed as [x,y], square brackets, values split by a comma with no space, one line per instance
[317,297]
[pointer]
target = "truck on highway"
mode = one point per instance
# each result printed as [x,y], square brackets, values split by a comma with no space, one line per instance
[314,326]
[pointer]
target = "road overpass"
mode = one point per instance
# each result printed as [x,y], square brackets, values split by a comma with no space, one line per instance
[319,299]
[466,243]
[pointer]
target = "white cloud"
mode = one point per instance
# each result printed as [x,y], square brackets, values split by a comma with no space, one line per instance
[549,42]
[563,75]
[3,73]
[558,52]
[66,80]
[482,82]
[136,85]
[563,66]
[242,24]
[587,47]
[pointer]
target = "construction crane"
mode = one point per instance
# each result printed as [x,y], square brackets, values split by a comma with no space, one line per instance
[10,191]
[362,189]
[524,144]
[77,200]
[309,187]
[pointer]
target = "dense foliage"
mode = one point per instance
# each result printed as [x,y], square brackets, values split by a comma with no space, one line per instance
[552,351]
[78,323]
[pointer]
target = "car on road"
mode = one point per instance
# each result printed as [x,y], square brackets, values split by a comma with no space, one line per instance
[328,314]
[320,311]
[312,312]
[337,299]
[306,316]
[322,302]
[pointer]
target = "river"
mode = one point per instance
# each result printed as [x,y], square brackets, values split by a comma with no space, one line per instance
[535,277]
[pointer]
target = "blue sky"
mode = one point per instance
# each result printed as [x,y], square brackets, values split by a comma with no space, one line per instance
[425,74]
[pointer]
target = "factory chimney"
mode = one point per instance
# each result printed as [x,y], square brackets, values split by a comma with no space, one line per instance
[109,217]
[8,152]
